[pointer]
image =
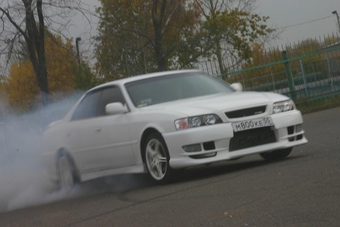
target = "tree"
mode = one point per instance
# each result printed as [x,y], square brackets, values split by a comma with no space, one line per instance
[233,28]
[84,78]
[174,24]
[144,36]
[25,20]
[4,110]
[23,88]
[35,39]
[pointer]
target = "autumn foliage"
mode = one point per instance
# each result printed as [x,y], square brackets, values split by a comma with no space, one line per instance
[22,87]
[139,36]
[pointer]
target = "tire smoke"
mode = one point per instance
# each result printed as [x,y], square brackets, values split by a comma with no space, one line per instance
[23,179]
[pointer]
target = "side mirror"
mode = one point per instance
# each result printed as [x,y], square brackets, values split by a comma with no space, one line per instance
[116,108]
[237,86]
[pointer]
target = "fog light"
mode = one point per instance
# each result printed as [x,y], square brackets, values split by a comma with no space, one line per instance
[298,128]
[192,148]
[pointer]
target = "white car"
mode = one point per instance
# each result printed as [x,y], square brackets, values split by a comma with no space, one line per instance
[162,122]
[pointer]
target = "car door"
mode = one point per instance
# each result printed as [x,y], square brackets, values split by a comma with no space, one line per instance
[80,132]
[113,140]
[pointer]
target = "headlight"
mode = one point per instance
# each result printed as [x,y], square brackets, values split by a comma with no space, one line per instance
[283,106]
[197,121]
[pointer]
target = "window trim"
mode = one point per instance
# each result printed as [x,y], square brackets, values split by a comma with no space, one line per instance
[99,90]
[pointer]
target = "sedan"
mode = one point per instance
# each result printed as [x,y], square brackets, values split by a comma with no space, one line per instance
[164,122]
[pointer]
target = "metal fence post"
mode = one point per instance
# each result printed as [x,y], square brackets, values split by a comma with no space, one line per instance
[330,73]
[289,75]
[304,77]
[273,82]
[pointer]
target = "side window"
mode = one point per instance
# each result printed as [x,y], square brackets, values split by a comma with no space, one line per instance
[109,95]
[88,107]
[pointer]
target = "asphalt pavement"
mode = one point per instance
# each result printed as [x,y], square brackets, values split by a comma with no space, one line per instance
[302,190]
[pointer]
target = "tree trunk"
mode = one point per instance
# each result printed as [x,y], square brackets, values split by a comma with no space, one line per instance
[35,39]
[159,52]
[219,57]
[157,23]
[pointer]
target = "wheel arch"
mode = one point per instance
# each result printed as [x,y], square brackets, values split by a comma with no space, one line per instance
[145,135]
[169,174]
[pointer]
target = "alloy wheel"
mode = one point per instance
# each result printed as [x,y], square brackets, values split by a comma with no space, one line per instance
[156,159]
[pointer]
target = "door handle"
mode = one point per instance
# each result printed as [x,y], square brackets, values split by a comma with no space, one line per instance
[98,130]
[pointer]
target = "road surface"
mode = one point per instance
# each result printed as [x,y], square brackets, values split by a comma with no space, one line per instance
[302,190]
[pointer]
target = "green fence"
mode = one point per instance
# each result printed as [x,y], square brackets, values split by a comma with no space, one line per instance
[307,69]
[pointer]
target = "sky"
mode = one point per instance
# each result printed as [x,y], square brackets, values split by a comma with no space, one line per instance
[295,19]
[300,19]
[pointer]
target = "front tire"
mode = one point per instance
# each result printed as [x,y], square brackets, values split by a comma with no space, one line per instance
[276,155]
[66,173]
[157,158]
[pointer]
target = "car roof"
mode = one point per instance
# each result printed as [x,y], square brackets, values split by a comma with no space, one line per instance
[144,76]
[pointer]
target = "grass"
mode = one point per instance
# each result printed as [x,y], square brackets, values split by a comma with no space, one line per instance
[314,105]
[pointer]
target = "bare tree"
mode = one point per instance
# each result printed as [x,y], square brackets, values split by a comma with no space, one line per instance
[25,21]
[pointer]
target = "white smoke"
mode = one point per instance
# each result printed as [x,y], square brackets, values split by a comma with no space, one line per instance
[23,180]
[22,177]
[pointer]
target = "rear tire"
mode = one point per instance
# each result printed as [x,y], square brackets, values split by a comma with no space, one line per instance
[277,154]
[66,173]
[157,159]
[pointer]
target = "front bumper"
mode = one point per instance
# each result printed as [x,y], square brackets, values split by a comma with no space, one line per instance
[219,136]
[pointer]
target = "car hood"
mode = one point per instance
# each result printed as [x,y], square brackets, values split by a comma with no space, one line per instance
[218,103]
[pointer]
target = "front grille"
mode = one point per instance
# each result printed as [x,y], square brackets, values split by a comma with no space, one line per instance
[246,112]
[252,138]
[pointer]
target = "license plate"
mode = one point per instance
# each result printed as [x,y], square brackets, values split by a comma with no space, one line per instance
[250,124]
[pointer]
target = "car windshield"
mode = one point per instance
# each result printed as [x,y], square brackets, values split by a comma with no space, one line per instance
[173,87]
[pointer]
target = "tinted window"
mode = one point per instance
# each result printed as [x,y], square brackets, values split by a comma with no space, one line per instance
[88,107]
[110,95]
[174,87]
